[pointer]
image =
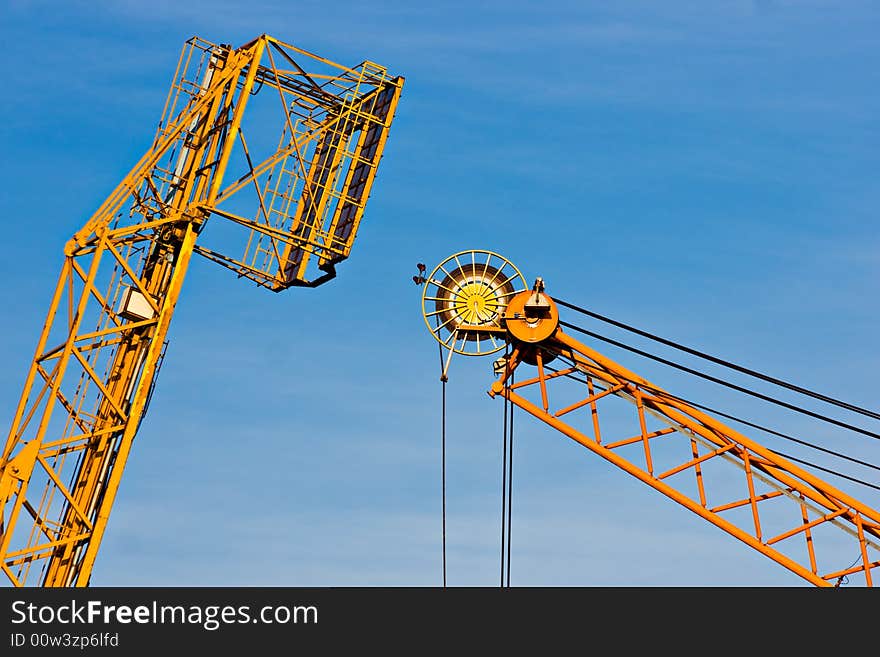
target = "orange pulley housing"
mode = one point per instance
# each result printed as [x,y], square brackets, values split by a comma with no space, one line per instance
[531,316]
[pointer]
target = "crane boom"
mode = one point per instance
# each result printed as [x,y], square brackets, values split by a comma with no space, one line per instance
[776,507]
[294,208]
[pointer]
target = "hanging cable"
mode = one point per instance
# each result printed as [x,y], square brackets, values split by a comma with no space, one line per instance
[506,405]
[443,475]
[722,382]
[443,380]
[843,579]
[719,361]
[510,488]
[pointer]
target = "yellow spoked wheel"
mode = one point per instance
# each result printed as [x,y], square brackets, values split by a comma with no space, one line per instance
[468,290]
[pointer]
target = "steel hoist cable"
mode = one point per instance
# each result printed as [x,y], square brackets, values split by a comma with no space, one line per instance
[443,381]
[506,404]
[720,361]
[510,489]
[506,485]
[768,430]
[733,386]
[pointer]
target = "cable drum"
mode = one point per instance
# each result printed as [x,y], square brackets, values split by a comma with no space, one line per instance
[468,289]
[469,296]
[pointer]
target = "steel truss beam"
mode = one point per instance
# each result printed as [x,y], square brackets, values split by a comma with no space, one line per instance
[103,341]
[784,512]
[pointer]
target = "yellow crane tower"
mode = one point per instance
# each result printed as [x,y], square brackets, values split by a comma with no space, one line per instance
[283,213]
[478,303]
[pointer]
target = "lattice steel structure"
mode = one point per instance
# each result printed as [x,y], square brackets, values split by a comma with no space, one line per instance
[280,212]
[768,502]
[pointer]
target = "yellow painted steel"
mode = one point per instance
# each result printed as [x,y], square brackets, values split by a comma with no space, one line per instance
[469,289]
[98,355]
[781,510]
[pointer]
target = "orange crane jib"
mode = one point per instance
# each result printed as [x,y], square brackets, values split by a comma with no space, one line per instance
[477,303]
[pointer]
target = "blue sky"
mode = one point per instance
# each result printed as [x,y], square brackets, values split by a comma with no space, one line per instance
[703,170]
